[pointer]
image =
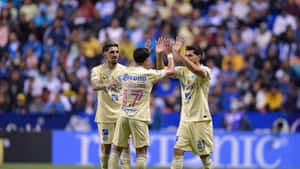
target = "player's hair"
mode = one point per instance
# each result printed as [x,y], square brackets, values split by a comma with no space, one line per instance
[197,50]
[109,44]
[140,55]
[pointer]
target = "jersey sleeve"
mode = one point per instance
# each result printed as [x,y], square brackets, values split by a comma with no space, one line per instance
[155,75]
[207,73]
[95,74]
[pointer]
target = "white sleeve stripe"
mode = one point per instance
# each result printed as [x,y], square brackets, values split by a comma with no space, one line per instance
[163,73]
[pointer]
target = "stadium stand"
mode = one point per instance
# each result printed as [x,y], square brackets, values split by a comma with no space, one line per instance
[47,49]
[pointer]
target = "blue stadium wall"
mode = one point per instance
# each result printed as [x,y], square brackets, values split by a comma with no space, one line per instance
[238,149]
[42,122]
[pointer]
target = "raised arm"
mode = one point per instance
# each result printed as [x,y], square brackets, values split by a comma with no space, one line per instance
[170,70]
[186,61]
[160,47]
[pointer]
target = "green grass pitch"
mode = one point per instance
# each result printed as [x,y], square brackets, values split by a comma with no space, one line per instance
[49,166]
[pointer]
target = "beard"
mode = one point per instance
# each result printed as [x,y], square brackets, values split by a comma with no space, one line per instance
[114,62]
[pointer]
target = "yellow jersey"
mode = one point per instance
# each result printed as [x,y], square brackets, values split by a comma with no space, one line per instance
[136,84]
[109,99]
[194,94]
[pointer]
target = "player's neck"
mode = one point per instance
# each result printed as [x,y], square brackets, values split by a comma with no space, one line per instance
[110,65]
[144,65]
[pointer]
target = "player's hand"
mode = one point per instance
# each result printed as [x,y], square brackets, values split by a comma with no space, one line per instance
[179,43]
[168,45]
[111,84]
[160,47]
[147,45]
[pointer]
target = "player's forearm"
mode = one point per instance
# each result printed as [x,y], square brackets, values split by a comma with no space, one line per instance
[159,61]
[98,86]
[191,66]
[171,65]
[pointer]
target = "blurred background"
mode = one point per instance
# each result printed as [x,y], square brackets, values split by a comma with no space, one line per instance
[48,47]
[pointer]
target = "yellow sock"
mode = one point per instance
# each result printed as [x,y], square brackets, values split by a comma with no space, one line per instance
[125,160]
[113,162]
[207,162]
[140,161]
[177,162]
[104,160]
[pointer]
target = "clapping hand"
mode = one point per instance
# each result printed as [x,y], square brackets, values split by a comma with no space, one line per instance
[160,46]
[178,44]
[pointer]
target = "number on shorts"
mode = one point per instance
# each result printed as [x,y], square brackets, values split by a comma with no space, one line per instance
[201,145]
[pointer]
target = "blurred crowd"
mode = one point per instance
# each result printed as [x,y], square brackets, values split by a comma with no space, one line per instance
[48,47]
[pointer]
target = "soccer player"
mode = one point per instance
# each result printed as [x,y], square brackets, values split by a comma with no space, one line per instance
[109,104]
[137,83]
[195,132]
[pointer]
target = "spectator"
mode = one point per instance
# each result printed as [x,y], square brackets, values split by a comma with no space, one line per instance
[253,57]
[42,19]
[55,106]
[52,84]
[247,34]
[121,12]
[246,49]
[241,9]
[235,59]
[260,7]
[36,106]
[274,99]
[29,9]
[92,48]
[166,87]
[223,7]
[3,36]
[49,7]
[292,8]
[79,100]
[13,12]
[134,32]
[184,8]
[232,119]
[148,36]
[126,47]
[105,9]
[215,72]
[31,59]
[288,45]
[4,106]
[114,32]
[21,106]
[34,44]
[87,9]
[163,9]
[263,36]
[14,45]
[282,21]
[228,94]
[57,31]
